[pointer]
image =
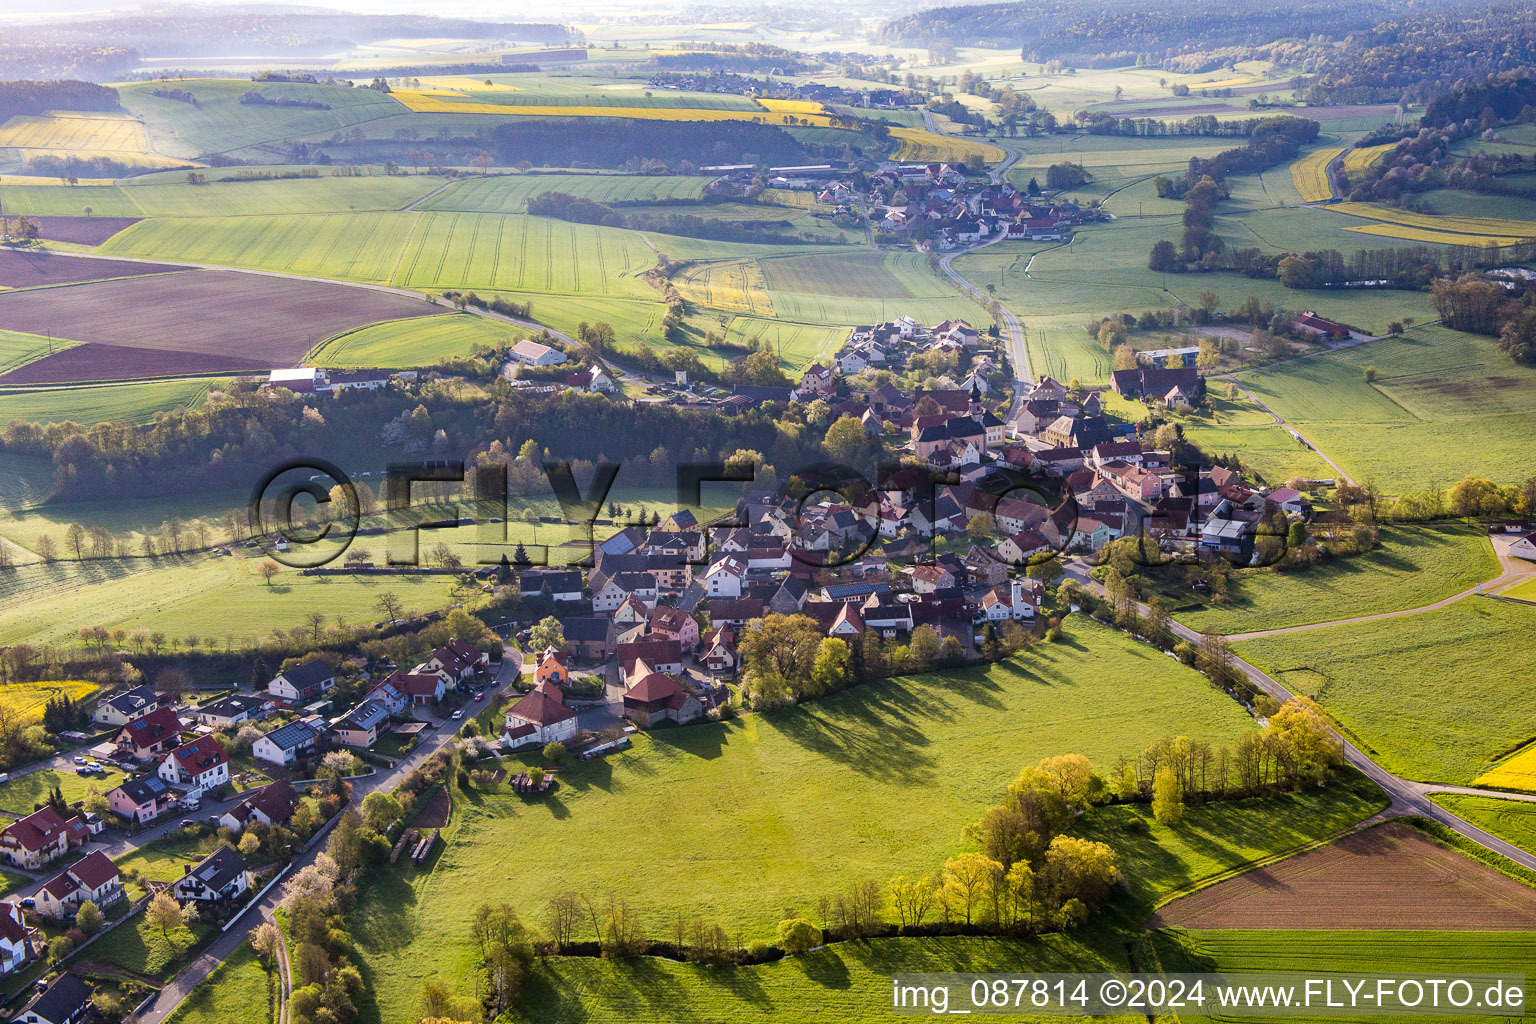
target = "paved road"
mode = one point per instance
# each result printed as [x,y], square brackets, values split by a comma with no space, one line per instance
[434,739]
[1407,795]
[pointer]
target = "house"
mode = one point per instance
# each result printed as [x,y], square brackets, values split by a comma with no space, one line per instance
[93,877]
[389,695]
[562,584]
[656,698]
[39,838]
[1525,547]
[1230,530]
[360,727]
[15,939]
[303,682]
[886,615]
[675,624]
[984,567]
[554,666]
[736,614]
[456,661]
[145,737]
[293,742]
[1288,500]
[539,717]
[419,687]
[230,711]
[1017,549]
[66,1001]
[658,655]
[142,799]
[269,805]
[532,353]
[221,876]
[200,765]
[122,708]
[622,585]
[928,578]
[724,577]
[1016,601]
[1154,382]
[1310,323]
[719,649]
[587,638]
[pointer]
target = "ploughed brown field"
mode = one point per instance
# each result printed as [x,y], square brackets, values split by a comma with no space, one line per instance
[1388,877]
[193,321]
[21,268]
[82,230]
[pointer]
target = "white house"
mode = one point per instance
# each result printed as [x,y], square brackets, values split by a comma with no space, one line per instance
[93,877]
[303,682]
[621,585]
[15,939]
[200,765]
[538,718]
[1525,547]
[293,742]
[724,577]
[122,708]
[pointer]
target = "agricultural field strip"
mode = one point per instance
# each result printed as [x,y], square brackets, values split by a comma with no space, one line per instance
[1310,173]
[1437,222]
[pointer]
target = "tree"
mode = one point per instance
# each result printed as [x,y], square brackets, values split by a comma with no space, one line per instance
[389,603]
[74,536]
[267,571]
[846,441]
[965,881]
[1164,258]
[912,899]
[380,810]
[88,918]
[833,668]
[924,647]
[546,634]
[555,751]
[1167,797]
[778,654]
[264,940]
[173,682]
[797,935]
[163,913]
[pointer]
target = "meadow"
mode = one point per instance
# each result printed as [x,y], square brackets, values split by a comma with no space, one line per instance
[797,344]
[19,349]
[23,794]
[1525,591]
[1463,674]
[1409,427]
[1468,225]
[109,403]
[239,991]
[1412,566]
[81,132]
[417,341]
[1226,426]
[1511,820]
[826,789]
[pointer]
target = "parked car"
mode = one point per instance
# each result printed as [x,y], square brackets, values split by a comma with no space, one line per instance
[79,760]
[186,822]
[192,804]
[28,903]
[480,696]
[5,776]
[458,714]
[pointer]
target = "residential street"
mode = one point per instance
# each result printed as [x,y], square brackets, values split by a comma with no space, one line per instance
[221,948]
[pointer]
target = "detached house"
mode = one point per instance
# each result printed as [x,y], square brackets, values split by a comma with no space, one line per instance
[39,838]
[656,698]
[145,737]
[304,682]
[456,661]
[93,877]
[234,709]
[539,717]
[270,805]
[221,876]
[724,577]
[200,765]
[142,799]
[15,939]
[293,742]
[360,727]
[554,667]
[419,687]
[66,1001]
[122,708]
[675,624]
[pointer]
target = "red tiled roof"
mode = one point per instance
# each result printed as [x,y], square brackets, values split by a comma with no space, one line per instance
[542,706]
[94,870]
[39,829]
[201,755]
[655,686]
[153,728]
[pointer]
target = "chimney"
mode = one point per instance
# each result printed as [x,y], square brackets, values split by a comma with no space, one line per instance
[186,869]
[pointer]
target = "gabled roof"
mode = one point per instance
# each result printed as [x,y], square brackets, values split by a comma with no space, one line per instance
[153,728]
[653,687]
[309,676]
[370,714]
[276,801]
[201,755]
[11,927]
[133,701]
[541,706]
[293,735]
[144,789]
[94,870]
[218,869]
[62,1000]
[37,830]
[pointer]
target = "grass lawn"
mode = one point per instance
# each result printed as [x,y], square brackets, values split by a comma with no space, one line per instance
[17,349]
[1464,675]
[164,859]
[422,341]
[103,403]
[847,981]
[1411,567]
[143,949]
[1524,591]
[239,991]
[771,810]
[1408,428]
[508,194]
[21,794]
[1511,820]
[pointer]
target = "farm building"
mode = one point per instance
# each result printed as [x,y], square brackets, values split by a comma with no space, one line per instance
[534,354]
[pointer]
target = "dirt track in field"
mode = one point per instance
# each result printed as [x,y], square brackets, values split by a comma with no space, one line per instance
[1389,877]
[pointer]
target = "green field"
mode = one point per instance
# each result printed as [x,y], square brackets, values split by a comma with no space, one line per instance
[112,403]
[67,201]
[1464,674]
[846,981]
[220,123]
[325,194]
[827,788]
[1411,567]
[1410,426]
[18,349]
[1525,591]
[239,991]
[1513,821]
[1311,953]
[144,950]
[797,344]
[860,287]
[165,859]
[419,341]
[509,194]
[22,794]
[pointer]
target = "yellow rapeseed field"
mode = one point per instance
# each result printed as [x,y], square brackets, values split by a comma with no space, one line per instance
[1434,222]
[1519,772]
[1310,174]
[1438,237]
[917,144]
[27,699]
[1225,83]
[1357,160]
